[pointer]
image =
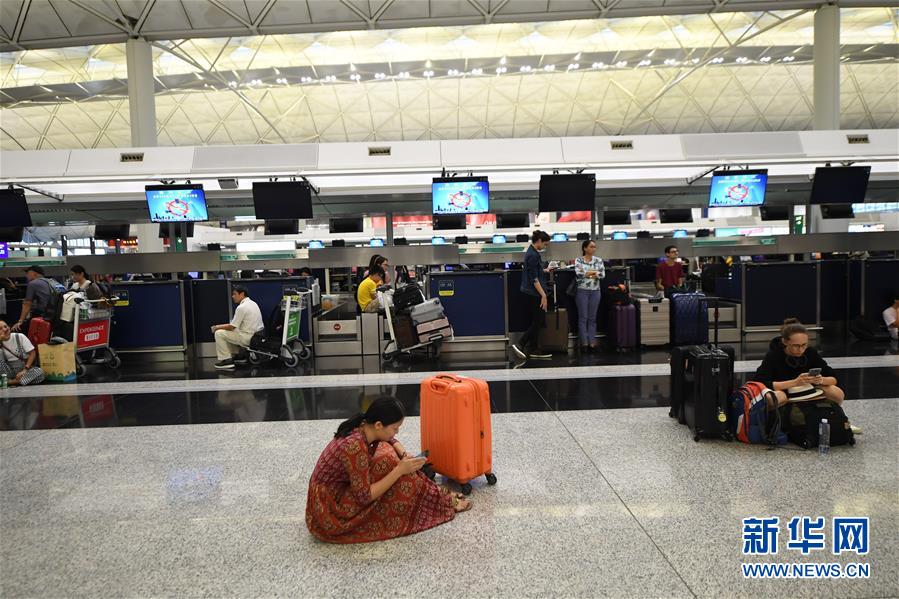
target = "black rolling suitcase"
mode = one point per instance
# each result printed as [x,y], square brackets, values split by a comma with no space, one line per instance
[702,381]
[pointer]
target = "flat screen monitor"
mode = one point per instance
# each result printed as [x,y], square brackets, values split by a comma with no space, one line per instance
[616,217]
[727,232]
[375,242]
[437,240]
[738,188]
[14,209]
[345,225]
[560,237]
[617,235]
[513,221]
[282,200]
[775,212]
[676,215]
[181,230]
[449,222]
[837,211]
[679,233]
[107,232]
[11,233]
[176,203]
[567,193]
[499,239]
[316,244]
[460,195]
[281,227]
[840,184]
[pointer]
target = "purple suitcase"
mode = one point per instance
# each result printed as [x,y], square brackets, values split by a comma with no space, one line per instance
[444,333]
[624,327]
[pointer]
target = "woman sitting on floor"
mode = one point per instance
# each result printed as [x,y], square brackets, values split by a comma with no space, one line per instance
[17,357]
[787,365]
[365,488]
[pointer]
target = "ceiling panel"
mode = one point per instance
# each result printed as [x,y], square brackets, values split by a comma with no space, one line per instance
[42,22]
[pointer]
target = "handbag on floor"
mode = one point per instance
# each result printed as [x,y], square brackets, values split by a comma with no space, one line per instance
[801,420]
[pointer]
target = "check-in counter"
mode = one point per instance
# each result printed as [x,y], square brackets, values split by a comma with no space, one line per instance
[268,294]
[774,291]
[880,278]
[475,303]
[149,317]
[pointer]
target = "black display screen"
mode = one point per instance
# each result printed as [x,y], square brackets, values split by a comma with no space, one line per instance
[287,200]
[564,193]
[840,184]
[345,225]
[14,208]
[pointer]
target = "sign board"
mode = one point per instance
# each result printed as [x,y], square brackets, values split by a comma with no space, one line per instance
[122,300]
[4,251]
[293,324]
[93,334]
[446,288]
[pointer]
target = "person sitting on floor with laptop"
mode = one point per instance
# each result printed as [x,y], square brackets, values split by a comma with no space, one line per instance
[230,338]
[797,372]
[365,486]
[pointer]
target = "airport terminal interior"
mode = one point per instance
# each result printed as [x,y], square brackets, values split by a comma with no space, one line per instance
[292,211]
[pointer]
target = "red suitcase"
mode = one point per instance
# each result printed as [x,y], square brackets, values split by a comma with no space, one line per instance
[39,331]
[455,428]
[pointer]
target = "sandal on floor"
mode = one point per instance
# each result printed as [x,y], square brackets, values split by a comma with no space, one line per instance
[457,501]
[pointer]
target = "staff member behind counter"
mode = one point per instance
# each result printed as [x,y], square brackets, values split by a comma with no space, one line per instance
[231,337]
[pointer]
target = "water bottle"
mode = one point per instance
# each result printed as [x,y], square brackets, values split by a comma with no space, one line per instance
[824,436]
[4,381]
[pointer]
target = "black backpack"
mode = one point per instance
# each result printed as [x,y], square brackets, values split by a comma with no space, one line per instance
[53,310]
[800,421]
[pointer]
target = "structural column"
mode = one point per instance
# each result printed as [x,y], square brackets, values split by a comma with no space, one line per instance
[827,68]
[141,89]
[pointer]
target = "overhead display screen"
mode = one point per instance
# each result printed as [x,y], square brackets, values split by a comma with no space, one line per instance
[840,184]
[561,193]
[738,188]
[460,195]
[285,200]
[14,208]
[176,203]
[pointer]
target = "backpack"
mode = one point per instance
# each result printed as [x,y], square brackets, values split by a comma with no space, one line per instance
[53,310]
[801,420]
[269,339]
[755,415]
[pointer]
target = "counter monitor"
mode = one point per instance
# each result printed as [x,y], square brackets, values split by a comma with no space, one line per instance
[176,203]
[316,244]
[438,240]
[738,188]
[618,235]
[460,195]
[375,242]
[560,237]
[499,239]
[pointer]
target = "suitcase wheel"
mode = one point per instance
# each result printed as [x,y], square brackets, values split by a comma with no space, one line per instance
[491,478]
[696,437]
[466,488]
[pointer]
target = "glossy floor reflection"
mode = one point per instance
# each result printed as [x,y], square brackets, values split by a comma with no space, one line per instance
[615,503]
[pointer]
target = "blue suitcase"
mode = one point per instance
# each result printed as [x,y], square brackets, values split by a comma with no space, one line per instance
[689,319]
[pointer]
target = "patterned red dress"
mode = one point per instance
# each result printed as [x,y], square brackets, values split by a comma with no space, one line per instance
[339,508]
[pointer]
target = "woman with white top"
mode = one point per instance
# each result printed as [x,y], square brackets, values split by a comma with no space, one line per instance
[589,270]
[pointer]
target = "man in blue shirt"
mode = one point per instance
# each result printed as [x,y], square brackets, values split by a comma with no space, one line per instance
[533,286]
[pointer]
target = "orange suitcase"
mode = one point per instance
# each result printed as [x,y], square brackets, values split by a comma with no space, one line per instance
[39,331]
[455,428]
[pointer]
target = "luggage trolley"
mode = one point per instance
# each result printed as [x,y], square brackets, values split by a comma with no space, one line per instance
[280,337]
[91,330]
[394,348]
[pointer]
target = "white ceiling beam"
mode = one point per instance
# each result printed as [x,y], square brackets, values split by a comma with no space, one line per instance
[144,15]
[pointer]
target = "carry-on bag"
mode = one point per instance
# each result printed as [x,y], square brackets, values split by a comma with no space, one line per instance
[427,311]
[623,327]
[801,420]
[39,331]
[404,330]
[436,330]
[655,321]
[553,337]
[455,428]
[689,319]
[407,296]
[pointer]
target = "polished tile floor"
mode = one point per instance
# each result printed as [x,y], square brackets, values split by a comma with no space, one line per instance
[593,503]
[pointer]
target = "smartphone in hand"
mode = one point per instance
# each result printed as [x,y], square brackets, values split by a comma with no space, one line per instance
[814,372]
[423,454]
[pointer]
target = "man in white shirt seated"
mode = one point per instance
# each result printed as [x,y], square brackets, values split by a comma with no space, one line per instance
[891,317]
[231,337]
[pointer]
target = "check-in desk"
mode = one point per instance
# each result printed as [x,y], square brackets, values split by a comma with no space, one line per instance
[149,317]
[343,331]
[476,304]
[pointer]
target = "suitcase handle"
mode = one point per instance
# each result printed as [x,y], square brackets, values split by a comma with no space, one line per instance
[439,383]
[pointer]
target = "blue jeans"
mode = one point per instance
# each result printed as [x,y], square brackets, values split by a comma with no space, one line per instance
[587,306]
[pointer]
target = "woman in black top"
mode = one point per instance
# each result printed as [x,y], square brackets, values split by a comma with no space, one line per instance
[788,362]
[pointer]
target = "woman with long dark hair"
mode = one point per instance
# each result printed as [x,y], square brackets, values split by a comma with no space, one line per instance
[589,270]
[365,488]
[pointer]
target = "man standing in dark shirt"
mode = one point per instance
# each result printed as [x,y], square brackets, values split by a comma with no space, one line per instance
[533,286]
[670,272]
[37,296]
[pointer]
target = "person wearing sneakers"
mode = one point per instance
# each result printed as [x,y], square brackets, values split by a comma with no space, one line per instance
[533,287]
[229,338]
